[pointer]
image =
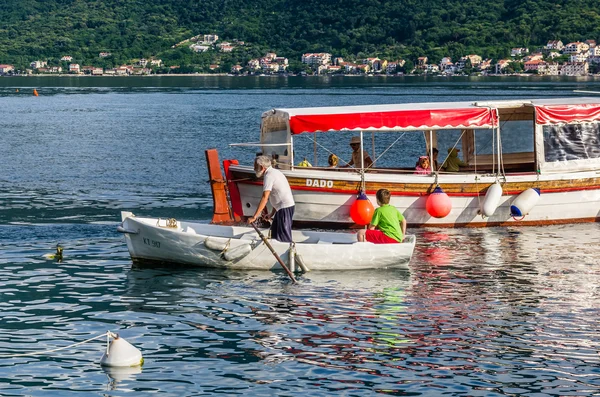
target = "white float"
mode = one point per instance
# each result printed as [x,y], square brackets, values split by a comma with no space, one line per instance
[525,202]
[121,353]
[492,200]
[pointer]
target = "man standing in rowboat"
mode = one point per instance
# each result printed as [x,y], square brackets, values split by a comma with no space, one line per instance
[277,191]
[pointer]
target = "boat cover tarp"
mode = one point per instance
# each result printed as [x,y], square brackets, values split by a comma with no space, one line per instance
[387,117]
[563,114]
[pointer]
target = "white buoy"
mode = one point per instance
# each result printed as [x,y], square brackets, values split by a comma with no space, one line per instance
[492,200]
[121,353]
[525,202]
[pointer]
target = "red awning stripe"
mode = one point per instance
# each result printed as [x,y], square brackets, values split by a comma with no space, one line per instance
[395,120]
[561,114]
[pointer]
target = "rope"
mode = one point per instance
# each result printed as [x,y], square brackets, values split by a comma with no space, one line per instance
[453,147]
[108,334]
[329,151]
[388,148]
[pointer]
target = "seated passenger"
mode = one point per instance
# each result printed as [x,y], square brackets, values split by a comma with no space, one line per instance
[423,166]
[304,163]
[332,160]
[388,225]
[436,166]
[453,163]
[355,161]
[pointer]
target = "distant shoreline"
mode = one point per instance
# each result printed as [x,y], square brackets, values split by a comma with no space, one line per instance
[291,75]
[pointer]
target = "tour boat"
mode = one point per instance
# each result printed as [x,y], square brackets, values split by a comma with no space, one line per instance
[543,166]
[169,241]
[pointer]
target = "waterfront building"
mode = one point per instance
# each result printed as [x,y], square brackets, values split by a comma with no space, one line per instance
[548,69]
[533,57]
[519,51]
[574,69]
[501,65]
[4,69]
[555,45]
[38,64]
[578,58]
[253,64]
[74,68]
[575,47]
[321,58]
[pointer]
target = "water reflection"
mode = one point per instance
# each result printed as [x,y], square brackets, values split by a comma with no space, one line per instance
[120,378]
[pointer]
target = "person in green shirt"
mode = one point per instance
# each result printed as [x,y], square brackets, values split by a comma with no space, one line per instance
[387,226]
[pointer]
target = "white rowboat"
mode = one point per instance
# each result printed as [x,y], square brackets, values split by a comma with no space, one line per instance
[233,247]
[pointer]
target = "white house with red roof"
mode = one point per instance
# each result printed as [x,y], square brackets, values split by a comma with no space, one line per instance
[74,68]
[4,69]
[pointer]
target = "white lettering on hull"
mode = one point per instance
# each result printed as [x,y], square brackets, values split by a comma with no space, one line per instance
[319,183]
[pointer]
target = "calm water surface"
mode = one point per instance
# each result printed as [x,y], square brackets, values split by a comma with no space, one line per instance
[480,312]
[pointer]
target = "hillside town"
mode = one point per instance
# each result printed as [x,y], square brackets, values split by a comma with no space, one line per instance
[554,59]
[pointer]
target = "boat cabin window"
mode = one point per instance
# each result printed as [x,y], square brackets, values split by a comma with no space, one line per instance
[281,151]
[571,142]
[517,141]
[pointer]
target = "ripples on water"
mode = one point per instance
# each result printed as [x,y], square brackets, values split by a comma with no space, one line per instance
[498,311]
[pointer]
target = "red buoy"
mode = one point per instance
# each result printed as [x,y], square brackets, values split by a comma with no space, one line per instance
[438,203]
[362,210]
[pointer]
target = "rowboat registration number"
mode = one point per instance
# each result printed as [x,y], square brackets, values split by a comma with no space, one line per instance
[319,183]
[152,243]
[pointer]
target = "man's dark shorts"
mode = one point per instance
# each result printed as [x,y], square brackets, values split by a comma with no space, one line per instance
[281,228]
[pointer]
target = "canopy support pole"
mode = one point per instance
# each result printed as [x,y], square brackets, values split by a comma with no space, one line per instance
[373,146]
[362,163]
[315,149]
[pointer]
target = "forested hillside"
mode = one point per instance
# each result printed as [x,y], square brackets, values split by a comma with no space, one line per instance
[130,29]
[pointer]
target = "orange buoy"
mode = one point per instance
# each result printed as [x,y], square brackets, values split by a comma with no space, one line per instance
[362,210]
[438,203]
[35,93]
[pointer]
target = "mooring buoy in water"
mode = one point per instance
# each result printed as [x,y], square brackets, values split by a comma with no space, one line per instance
[121,353]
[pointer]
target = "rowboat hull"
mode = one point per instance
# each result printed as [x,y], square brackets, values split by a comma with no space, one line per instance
[157,240]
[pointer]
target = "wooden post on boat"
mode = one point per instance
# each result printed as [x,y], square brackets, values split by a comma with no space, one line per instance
[264,239]
[222,211]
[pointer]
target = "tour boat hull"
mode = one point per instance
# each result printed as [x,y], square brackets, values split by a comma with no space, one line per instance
[574,199]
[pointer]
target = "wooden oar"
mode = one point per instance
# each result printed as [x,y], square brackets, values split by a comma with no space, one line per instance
[264,239]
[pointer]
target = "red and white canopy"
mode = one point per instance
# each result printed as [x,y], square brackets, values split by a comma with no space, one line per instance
[423,116]
[580,110]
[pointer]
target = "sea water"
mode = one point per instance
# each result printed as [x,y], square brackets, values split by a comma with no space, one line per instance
[480,312]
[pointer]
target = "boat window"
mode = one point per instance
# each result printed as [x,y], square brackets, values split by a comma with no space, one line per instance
[515,136]
[276,137]
[571,142]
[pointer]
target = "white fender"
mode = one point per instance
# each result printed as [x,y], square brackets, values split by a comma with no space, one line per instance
[525,202]
[233,254]
[492,200]
[216,243]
